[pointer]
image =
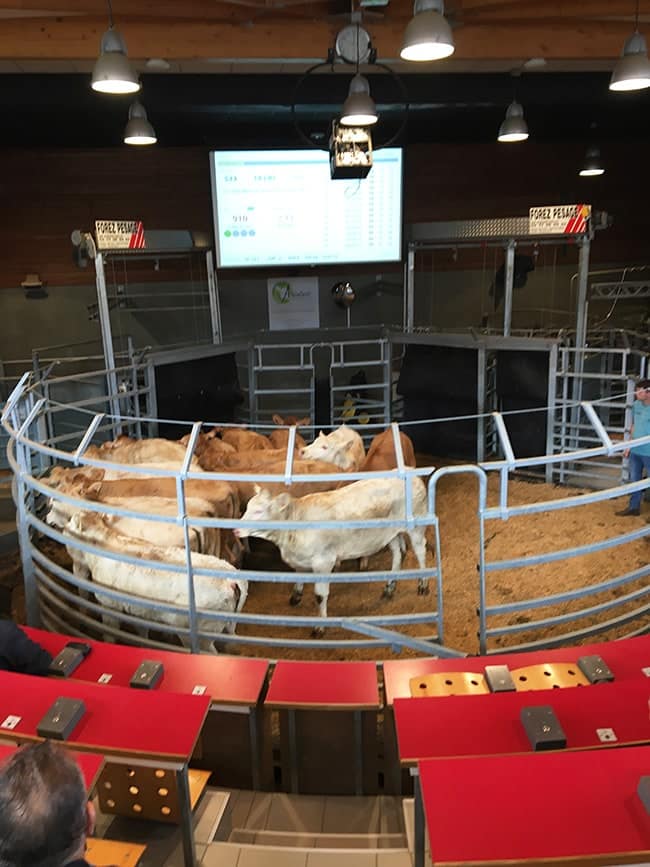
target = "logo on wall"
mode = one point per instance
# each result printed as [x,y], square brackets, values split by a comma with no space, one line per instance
[281,292]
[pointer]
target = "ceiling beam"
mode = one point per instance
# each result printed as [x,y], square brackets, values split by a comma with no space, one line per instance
[78,39]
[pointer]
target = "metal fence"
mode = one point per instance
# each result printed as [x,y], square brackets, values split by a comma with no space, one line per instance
[70,601]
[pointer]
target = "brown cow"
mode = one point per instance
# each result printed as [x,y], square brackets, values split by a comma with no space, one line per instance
[280,438]
[244,440]
[381,454]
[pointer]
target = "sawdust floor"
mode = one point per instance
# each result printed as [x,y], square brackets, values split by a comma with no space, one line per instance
[456,503]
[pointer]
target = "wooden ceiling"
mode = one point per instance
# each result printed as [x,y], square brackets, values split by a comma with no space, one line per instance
[260,48]
[34,34]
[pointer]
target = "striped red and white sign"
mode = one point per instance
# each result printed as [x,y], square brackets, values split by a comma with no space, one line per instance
[559,219]
[120,235]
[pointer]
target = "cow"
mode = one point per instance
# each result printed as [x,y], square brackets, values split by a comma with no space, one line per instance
[298,487]
[208,448]
[381,453]
[321,550]
[205,540]
[280,437]
[154,451]
[343,447]
[152,584]
[244,440]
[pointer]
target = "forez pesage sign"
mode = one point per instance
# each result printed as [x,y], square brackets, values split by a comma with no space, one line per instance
[559,219]
[120,234]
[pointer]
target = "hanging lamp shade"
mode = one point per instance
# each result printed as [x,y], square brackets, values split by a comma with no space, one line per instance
[592,166]
[428,34]
[359,108]
[138,130]
[632,72]
[112,72]
[514,127]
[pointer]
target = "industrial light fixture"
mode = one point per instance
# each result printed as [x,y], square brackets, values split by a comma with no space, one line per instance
[138,130]
[592,166]
[514,126]
[632,72]
[112,72]
[428,34]
[359,108]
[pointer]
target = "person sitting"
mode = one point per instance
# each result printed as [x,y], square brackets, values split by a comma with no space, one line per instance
[45,815]
[19,653]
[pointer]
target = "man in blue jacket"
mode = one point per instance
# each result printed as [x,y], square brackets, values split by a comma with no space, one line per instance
[19,653]
[639,455]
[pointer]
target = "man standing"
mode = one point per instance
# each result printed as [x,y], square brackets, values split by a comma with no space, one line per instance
[639,456]
[45,815]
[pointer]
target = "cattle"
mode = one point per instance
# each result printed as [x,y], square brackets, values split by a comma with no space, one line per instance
[154,451]
[205,540]
[221,496]
[381,453]
[208,448]
[152,584]
[298,487]
[244,440]
[320,550]
[343,447]
[280,437]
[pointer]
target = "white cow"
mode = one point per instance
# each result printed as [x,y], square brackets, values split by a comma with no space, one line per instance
[343,447]
[320,550]
[151,584]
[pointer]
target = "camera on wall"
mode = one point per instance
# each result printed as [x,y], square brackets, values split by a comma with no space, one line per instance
[343,294]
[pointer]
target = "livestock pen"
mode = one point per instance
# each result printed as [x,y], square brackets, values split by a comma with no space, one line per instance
[512,563]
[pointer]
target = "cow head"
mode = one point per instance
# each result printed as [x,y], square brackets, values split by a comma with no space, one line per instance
[263,506]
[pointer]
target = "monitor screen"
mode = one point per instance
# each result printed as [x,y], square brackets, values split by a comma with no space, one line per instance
[283,208]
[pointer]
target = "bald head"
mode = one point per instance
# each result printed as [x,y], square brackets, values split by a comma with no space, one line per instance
[43,808]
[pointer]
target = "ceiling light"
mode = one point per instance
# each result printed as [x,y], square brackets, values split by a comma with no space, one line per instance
[632,72]
[138,130]
[428,34]
[592,166]
[514,127]
[113,72]
[359,108]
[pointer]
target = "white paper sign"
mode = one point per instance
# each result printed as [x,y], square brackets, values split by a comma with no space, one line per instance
[293,302]
[10,722]
[559,219]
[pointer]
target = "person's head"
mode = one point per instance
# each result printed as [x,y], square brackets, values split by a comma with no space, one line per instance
[642,390]
[44,811]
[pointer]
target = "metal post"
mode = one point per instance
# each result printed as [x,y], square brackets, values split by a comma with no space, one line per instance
[509,280]
[581,338]
[107,338]
[410,290]
[481,373]
[185,805]
[213,295]
[550,408]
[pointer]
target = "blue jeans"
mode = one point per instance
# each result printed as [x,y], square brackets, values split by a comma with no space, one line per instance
[637,463]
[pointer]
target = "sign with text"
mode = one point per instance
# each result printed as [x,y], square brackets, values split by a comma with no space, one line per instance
[293,302]
[559,219]
[119,234]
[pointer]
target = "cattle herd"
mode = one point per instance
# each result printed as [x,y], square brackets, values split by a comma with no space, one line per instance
[220,587]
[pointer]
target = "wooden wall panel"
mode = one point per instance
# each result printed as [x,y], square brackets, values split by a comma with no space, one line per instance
[47,194]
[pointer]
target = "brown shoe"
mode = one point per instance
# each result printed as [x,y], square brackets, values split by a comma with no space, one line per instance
[627,512]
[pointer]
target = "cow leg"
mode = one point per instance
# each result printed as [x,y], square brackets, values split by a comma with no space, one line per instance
[419,543]
[111,622]
[395,546]
[322,591]
[296,594]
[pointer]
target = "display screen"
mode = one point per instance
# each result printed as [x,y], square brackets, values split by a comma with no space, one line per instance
[283,208]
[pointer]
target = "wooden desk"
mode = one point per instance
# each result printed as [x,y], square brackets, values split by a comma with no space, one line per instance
[481,725]
[235,684]
[542,808]
[302,691]
[158,729]
[627,658]
[91,764]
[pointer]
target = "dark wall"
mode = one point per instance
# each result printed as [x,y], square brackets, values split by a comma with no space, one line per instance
[45,194]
